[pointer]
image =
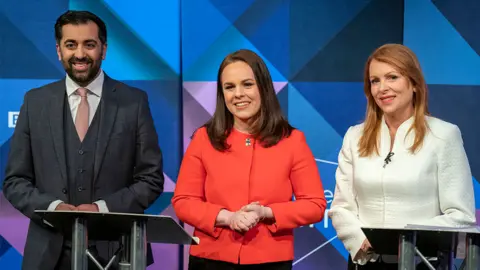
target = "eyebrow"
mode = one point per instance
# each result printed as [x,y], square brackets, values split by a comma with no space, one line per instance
[86,41]
[388,73]
[245,80]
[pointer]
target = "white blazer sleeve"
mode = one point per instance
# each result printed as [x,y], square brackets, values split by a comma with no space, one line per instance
[344,209]
[455,183]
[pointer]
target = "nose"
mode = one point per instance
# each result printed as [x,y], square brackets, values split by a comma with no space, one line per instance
[383,86]
[239,91]
[80,52]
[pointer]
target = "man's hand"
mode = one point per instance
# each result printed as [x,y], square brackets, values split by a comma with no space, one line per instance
[87,208]
[65,207]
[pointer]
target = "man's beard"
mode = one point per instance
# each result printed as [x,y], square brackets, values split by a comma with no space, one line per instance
[85,77]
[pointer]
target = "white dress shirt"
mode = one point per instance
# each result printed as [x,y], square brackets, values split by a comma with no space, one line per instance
[431,187]
[93,96]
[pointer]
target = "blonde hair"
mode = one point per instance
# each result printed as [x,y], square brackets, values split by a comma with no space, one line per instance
[406,63]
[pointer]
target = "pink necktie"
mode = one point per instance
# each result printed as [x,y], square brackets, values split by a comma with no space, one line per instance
[81,120]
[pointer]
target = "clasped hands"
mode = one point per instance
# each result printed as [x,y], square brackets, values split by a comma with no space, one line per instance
[83,207]
[248,217]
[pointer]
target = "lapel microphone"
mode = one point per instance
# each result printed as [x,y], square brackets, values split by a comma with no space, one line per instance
[388,159]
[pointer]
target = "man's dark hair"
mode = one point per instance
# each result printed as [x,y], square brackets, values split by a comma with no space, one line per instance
[77,17]
[270,127]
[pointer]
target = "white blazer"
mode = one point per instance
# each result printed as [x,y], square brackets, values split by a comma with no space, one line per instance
[431,187]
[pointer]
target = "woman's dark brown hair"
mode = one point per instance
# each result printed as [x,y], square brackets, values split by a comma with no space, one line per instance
[270,126]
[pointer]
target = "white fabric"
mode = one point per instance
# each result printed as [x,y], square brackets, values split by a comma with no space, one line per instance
[431,187]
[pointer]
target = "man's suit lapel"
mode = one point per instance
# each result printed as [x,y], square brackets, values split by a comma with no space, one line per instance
[108,113]
[56,112]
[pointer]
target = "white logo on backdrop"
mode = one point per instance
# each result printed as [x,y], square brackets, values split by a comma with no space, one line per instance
[12,119]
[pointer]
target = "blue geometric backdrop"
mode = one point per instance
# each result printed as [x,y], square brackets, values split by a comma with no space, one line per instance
[315,50]
[143,51]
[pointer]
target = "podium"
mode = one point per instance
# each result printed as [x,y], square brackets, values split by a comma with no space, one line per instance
[133,231]
[426,241]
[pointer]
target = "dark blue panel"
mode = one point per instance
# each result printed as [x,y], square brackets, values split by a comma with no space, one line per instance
[4,149]
[35,21]
[439,46]
[266,25]
[232,9]
[160,204]
[464,17]
[20,58]
[343,59]
[340,104]
[164,99]
[4,246]
[314,23]
[458,105]
[283,99]
[327,258]
[133,58]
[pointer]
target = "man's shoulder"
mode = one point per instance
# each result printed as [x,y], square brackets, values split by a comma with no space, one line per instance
[126,89]
[44,91]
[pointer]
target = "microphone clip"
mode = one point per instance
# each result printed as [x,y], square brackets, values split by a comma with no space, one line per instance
[388,159]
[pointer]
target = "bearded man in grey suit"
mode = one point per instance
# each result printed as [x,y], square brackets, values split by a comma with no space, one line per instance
[84,143]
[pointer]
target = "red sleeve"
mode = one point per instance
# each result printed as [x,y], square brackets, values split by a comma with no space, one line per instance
[309,205]
[189,199]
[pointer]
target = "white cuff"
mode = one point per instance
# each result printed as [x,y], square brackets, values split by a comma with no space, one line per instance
[102,206]
[53,205]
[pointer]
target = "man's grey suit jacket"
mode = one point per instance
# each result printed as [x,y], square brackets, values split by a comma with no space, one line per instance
[128,173]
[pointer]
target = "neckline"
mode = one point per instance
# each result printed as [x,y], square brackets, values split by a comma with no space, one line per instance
[237,133]
[400,141]
[406,124]
[242,132]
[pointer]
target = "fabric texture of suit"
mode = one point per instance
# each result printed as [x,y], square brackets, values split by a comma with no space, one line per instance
[127,170]
[210,180]
[433,186]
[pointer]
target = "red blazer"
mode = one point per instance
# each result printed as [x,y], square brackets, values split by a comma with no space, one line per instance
[210,180]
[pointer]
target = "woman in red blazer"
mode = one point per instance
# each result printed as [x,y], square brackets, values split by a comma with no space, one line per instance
[240,172]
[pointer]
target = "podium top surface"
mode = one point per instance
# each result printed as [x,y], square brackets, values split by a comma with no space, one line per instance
[110,226]
[424,228]
[429,239]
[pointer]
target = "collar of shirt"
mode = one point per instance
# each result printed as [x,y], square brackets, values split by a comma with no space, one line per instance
[94,87]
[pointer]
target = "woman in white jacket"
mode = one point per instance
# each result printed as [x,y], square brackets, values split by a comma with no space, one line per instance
[400,166]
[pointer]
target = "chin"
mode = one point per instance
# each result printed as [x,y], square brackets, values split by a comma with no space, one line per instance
[243,117]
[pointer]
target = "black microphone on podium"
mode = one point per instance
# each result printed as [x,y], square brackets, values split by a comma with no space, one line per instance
[388,159]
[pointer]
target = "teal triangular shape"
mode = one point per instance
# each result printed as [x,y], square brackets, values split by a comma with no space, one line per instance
[128,57]
[321,137]
[163,36]
[232,9]
[307,19]
[206,66]
[20,58]
[445,57]
[202,25]
[266,26]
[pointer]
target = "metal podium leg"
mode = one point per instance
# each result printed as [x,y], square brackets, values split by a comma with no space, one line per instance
[446,260]
[138,246]
[124,263]
[473,251]
[79,244]
[406,251]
